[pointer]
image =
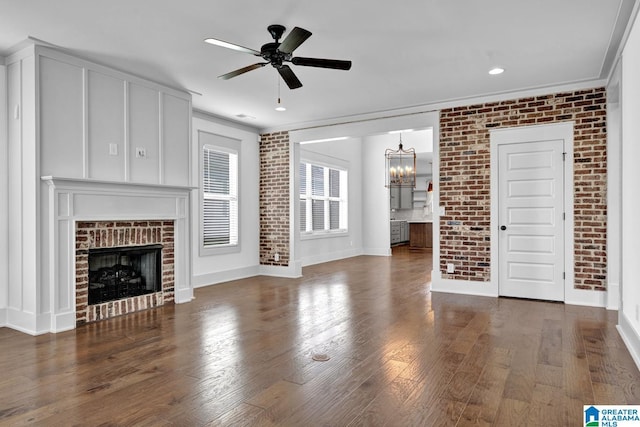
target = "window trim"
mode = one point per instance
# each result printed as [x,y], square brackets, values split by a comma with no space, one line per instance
[226,145]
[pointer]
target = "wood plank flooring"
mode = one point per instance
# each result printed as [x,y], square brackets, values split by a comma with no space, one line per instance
[241,354]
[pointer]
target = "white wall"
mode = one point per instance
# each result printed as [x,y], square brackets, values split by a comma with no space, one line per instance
[315,249]
[375,196]
[211,269]
[4,198]
[629,315]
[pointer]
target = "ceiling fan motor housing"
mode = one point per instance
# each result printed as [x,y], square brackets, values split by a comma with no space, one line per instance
[271,53]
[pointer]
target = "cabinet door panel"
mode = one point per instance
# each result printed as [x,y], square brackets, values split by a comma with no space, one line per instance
[144,132]
[61,128]
[175,136]
[105,127]
[406,198]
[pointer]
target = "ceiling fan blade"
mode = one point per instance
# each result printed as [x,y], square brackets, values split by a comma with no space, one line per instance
[228,45]
[242,70]
[289,77]
[335,64]
[295,38]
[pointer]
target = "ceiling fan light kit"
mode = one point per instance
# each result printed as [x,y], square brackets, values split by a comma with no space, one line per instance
[278,54]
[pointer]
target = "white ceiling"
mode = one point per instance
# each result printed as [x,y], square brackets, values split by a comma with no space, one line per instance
[405,54]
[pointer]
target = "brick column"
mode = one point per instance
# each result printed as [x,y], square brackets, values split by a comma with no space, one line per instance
[274,199]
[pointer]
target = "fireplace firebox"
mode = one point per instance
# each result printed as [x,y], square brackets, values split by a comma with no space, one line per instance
[123,272]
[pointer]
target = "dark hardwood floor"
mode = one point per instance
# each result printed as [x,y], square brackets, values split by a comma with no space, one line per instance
[241,354]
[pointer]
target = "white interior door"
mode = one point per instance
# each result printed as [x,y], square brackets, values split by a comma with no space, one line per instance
[530,218]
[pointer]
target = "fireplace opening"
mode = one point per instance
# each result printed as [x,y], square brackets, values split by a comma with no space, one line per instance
[124,272]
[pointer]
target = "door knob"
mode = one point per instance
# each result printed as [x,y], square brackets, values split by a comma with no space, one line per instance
[503,227]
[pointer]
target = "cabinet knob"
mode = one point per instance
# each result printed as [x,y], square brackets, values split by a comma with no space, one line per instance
[503,227]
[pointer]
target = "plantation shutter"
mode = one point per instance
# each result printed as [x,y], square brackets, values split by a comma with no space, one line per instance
[317,189]
[334,205]
[303,200]
[323,203]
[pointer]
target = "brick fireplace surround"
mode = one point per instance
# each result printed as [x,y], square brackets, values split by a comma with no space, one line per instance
[109,234]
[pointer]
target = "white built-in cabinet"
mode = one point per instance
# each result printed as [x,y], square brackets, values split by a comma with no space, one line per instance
[97,123]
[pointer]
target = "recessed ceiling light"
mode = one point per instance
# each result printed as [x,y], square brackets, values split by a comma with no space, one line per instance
[496,70]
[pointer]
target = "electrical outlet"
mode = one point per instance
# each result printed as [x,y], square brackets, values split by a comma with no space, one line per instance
[113,149]
[276,257]
[451,268]
[141,152]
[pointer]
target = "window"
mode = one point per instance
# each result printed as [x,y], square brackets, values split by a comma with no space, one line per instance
[219,197]
[323,199]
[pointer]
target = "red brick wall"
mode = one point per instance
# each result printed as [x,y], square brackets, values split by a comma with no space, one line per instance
[465,177]
[274,198]
[107,234]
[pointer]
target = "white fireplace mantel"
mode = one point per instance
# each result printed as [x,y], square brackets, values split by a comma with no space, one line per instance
[69,200]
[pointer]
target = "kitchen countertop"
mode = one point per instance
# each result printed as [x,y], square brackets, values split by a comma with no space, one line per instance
[420,221]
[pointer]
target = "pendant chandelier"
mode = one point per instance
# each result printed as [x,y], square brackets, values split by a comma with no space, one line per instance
[401,166]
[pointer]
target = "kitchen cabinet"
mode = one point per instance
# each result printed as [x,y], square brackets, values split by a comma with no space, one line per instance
[404,231]
[399,232]
[421,235]
[401,197]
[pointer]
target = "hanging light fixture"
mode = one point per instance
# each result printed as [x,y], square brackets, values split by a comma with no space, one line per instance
[279,106]
[401,166]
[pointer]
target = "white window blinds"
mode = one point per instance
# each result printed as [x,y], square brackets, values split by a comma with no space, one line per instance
[220,197]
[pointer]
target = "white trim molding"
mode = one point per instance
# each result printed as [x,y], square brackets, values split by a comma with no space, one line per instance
[630,336]
[289,272]
[466,287]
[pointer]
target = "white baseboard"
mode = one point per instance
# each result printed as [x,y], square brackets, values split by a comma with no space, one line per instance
[3,317]
[573,296]
[331,256]
[28,323]
[376,251]
[208,279]
[630,336]
[586,298]
[291,272]
[63,322]
[183,295]
[467,287]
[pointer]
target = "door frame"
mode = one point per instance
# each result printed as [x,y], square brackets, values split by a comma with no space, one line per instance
[502,136]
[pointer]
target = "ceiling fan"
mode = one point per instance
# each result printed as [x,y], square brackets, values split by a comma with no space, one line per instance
[277,54]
